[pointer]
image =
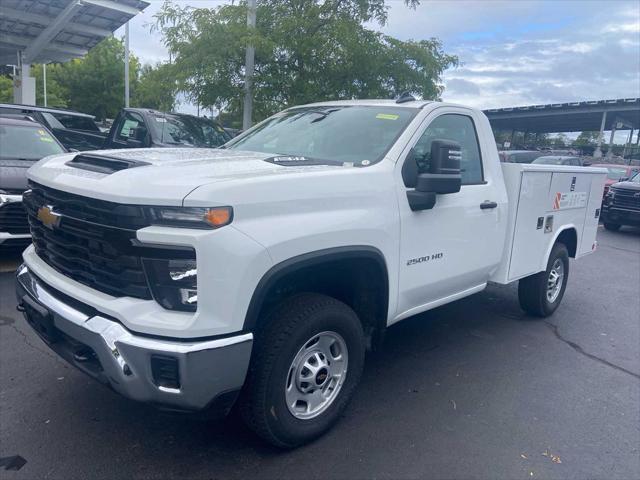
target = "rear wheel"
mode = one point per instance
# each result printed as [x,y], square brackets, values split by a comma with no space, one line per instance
[306,366]
[541,294]
[614,227]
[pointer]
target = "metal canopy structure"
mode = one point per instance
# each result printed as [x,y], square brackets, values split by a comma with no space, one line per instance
[58,30]
[567,117]
[592,116]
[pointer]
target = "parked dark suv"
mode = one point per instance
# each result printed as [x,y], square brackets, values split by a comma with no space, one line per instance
[621,205]
[75,130]
[22,143]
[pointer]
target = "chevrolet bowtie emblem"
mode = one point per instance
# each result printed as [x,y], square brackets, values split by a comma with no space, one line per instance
[48,217]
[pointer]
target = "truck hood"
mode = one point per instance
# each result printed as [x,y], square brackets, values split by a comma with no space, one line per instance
[166,175]
[635,186]
[13,174]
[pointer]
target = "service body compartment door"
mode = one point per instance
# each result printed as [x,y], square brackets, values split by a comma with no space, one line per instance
[590,230]
[529,242]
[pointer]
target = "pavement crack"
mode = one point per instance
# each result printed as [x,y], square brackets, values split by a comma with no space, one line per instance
[28,342]
[580,350]
[619,248]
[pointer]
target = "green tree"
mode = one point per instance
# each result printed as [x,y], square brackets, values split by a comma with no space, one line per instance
[561,140]
[306,50]
[56,95]
[6,89]
[95,84]
[156,88]
[586,139]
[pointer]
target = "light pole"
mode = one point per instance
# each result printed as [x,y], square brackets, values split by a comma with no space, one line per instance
[248,68]
[126,65]
[44,82]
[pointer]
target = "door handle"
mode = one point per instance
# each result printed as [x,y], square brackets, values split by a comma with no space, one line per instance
[487,204]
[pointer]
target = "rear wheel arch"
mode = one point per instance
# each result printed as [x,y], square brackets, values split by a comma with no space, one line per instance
[355,275]
[569,237]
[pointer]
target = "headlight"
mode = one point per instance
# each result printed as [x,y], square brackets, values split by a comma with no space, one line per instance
[173,282]
[191,217]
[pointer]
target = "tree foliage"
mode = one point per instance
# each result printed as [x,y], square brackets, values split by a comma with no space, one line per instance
[587,138]
[6,89]
[306,50]
[155,88]
[95,83]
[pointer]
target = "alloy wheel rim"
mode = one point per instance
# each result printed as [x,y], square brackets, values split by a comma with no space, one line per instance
[555,280]
[316,375]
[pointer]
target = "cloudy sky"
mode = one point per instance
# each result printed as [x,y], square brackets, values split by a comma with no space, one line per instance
[512,52]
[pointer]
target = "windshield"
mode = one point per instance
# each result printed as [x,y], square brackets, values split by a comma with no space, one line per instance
[550,161]
[189,131]
[353,134]
[636,178]
[26,143]
[522,157]
[616,173]
[75,122]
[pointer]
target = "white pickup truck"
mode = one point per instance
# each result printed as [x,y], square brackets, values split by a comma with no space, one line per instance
[258,274]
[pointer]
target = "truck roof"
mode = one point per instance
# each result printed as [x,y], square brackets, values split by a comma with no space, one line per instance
[371,103]
[45,109]
[21,122]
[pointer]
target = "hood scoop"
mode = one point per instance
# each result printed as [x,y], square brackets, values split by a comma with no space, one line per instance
[104,163]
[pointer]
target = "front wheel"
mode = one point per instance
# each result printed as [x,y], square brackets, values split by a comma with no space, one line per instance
[541,294]
[307,363]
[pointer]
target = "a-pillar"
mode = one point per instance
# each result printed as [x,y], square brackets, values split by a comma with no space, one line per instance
[598,151]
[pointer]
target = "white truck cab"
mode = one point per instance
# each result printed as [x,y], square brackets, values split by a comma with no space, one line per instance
[257,274]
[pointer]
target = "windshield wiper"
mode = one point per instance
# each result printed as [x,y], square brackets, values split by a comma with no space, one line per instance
[323,114]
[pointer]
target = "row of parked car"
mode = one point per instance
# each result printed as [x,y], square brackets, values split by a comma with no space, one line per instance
[29,133]
[621,197]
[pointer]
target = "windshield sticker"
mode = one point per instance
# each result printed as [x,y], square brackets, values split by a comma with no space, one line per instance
[41,132]
[387,116]
[160,119]
[46,139]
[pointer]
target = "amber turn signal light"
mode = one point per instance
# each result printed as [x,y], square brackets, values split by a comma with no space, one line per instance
[219,217]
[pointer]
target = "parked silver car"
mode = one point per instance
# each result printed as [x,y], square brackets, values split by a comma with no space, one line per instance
[22,143]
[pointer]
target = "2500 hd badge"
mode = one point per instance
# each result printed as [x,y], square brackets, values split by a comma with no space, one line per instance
[426,258]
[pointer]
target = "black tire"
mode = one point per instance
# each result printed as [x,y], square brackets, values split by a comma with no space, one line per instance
[613,227]
[532,290]
[288,328]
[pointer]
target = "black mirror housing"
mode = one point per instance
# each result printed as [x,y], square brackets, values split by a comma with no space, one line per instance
[443,177]
[439,183]
[445,157]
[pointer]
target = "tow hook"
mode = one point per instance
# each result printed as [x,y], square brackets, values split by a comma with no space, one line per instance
[83,354]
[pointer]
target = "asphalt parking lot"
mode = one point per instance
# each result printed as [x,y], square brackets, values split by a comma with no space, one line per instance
[474,389]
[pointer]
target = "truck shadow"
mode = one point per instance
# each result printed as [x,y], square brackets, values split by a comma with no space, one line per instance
[417,352]
[413,376]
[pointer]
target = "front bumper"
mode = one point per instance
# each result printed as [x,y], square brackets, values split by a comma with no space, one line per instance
[210,372]
[620,216]
[8,239]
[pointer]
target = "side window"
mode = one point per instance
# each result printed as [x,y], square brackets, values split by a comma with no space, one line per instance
[457,128]
[132,128]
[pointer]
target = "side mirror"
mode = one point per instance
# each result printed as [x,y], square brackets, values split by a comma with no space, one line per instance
[443,177]
[586,164]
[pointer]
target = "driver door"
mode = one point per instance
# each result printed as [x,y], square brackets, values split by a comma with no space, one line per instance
[450,250]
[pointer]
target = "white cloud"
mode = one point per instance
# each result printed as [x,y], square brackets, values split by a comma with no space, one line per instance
[512,53]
